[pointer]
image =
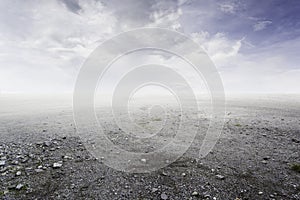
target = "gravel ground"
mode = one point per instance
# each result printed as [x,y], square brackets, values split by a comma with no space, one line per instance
[257,157]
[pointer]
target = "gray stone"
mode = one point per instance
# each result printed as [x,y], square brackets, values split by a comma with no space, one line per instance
[57,165]
[38,170]
[220,177]
[164,196]
[195,193]
[19,186]
[2,162]
[154,190]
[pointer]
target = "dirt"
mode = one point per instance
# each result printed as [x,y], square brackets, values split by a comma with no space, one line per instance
[254,158]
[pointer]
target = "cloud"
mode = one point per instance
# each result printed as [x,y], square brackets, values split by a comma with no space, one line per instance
[218,46]
[261,25]
[227,8]
[272,69]
[43,45]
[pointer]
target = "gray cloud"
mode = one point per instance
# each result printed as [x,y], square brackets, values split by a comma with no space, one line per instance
[43,45]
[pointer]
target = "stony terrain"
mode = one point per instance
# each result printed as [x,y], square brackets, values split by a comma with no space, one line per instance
[257,157]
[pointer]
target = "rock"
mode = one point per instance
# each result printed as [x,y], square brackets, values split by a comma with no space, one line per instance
[195,193]
[57,165]
[67,157]
[183,174]
[295,140]
[154,190]
[260,193]
[38,170]
[2,162]
[164,196]
[3,169]
[264,162]
[19,186]
[266,158]
[15,162]
[11,187]
[143,160]
[164,173]
[18,173]
[47,143]
[220,177]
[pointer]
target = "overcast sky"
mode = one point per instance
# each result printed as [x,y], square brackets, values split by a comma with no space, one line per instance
[254,44]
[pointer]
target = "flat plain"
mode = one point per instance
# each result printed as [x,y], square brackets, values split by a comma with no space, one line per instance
[256,156]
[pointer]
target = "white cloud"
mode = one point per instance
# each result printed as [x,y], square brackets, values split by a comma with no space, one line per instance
[270,70]
[261,25]
[42,45]
[45,44]
[227,8]
[218,46]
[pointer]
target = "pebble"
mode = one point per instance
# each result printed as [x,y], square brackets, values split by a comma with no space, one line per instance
[18,173]
[38,170]
[264,162]
[183,174]
[68,157]
[47,143]
[195,193]
[19,186]
[164,173]
[3,169]
[295,140]
[266,158]
[260,193]
[164,196]
[143,160]
[15,162]
[2,162]
[154,190]
[57,165]
[220,177]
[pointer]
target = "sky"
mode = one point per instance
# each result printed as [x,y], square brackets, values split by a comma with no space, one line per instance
[254,44]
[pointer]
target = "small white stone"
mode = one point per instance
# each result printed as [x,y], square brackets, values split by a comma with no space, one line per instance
[154,190]
[2,162]
[57,165]
[260,193]
[220,177]
[143,160]
[18,173]
[195,193]
[19,186]
[38,170]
